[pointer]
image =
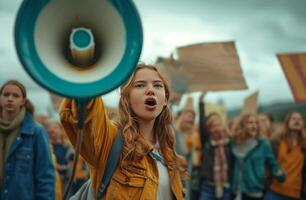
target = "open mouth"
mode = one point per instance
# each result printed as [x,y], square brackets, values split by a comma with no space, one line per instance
[9,105]
[150,102]
[297,124]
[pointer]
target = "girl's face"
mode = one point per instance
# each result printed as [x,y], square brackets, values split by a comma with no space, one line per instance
[251,126]
[11,100]
[54,131]
[296,122]
[147,94]
[264,121]
[216,128]
[187,121]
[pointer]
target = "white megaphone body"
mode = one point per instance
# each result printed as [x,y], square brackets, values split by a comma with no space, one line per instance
[78,48]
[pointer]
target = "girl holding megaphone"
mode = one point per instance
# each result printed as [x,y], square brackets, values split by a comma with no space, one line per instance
[148,167]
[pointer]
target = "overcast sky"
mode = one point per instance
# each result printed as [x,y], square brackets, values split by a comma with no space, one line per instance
[260,29]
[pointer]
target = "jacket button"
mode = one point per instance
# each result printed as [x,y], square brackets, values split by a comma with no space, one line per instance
[127,180]
[5,191]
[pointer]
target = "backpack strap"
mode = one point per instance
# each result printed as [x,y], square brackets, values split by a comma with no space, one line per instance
[111,165]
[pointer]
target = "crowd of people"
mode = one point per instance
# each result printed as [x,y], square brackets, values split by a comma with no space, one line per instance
[244,159]
[164,155]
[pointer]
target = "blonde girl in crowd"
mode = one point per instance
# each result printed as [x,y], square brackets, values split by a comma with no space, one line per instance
[184,129]
[26,169]
[216,157]
[61,149]
[43,119]
[148,168]
[290,149]
[251,154]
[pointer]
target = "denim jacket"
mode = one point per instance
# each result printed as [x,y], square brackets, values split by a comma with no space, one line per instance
[28,170]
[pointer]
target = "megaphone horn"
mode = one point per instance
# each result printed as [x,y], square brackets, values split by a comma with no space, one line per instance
[77,48]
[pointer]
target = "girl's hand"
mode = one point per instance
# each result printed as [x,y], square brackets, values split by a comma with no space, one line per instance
[281,175]
[201,98]
[279,172]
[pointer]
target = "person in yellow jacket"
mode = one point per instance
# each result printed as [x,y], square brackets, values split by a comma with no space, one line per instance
[149,167]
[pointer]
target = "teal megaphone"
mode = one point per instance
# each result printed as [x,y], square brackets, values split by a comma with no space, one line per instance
[78,48]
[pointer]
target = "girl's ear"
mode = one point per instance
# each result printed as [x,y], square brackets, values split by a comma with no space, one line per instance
[24,102]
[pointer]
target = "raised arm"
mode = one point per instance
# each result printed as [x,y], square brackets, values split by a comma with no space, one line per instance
[202,120]
[99,131]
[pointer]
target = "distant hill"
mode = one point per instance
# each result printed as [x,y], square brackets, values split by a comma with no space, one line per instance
[277,110]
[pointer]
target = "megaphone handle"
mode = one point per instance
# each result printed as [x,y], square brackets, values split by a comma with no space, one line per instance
[81,104]
[75,161]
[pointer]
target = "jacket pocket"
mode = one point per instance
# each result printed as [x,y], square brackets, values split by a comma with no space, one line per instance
[123,186]
[24,160]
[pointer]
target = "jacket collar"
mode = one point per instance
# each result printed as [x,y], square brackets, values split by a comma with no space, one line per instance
[27,126]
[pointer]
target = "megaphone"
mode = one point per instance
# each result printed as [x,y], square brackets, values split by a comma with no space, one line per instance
[78,48]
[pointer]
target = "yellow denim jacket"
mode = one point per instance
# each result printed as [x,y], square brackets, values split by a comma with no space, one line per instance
[138,181]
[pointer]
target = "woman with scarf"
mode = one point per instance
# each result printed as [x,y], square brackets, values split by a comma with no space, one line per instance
[26,169]
[215,170]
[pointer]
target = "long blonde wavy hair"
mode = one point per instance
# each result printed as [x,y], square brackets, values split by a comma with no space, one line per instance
[135,145]
[241,134]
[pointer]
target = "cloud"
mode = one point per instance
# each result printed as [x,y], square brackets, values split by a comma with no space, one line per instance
[10,65]
[260,29]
